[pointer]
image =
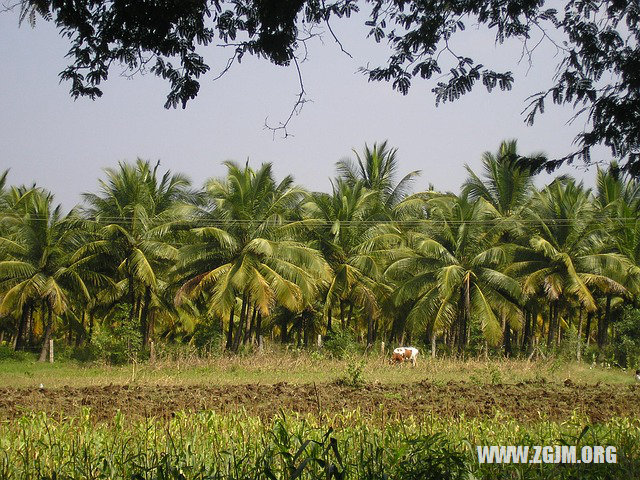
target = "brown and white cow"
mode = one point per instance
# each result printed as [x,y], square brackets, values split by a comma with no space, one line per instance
[401,354]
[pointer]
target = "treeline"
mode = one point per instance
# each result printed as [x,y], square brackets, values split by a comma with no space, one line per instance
[500,267]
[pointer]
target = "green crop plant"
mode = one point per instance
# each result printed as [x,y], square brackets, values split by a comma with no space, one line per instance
[350,445]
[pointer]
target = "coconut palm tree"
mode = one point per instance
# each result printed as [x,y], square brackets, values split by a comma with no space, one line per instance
[453,277]
[507,185]
[376,169]
[242,250]
[37,270]
[344,227]
[569,257]
[134,217]
[507,181]
[617,200]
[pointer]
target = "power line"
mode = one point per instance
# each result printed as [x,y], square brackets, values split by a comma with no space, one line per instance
[105,221]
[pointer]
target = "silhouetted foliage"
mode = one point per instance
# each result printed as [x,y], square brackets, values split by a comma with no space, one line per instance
[597,70]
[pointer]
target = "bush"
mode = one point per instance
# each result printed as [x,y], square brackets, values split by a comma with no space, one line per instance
[341,344]
[354,375]
[86,353]
[120,341]
[569,347]
[207,336]
[8,353]
[626,343]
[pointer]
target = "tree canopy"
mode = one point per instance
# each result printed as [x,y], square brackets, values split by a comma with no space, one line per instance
[597,45]
[503,265]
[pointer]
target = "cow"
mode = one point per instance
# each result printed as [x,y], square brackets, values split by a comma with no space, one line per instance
[401,354]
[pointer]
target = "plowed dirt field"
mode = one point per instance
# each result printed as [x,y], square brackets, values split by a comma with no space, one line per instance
[524,401]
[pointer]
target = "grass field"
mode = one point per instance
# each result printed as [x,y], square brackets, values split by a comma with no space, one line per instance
[301,368]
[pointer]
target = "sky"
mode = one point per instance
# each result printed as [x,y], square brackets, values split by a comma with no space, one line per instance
[63,145]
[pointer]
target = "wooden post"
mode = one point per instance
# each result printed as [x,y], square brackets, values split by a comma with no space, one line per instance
[433,344]
[319,341]
[152,352]
[51,351]
[382,348]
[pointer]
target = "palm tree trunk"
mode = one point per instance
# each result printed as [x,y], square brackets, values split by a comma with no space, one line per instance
[258,326]
[299,325]
[587,329]
[603,325]
[30,333]
[22,326]
[534,324]
[433,342]
[329,326]
[251,320]
[132,299]
[90,325]
[556,324]
[230,331]
[466,317]
[525,330]
[377,326]
[507,338]
[579,352]
[145,325]
[306,330]
[81,335]
[47,336]
[69,330]
[550,332]
[241,323]
[250,333]
[370,331]
[284,330]
[461,327]
[396,327]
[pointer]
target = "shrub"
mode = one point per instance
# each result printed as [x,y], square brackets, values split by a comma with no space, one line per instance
[341,343]
[86,353]
[354,375]
[207,336]
[120,341]
[569,347]
[626,343]
[8,353]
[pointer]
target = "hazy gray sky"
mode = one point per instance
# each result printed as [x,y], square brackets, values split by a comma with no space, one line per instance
[63,144]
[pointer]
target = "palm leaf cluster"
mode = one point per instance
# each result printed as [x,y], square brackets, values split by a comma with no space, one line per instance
[502,265]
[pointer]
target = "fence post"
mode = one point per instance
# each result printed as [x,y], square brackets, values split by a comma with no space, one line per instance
[51,351]
[319,341]
[152,352]
[382,348]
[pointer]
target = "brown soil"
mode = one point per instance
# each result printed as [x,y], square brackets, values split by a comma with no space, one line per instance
[524,401]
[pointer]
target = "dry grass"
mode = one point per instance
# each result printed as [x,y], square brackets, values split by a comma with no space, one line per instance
[300,368]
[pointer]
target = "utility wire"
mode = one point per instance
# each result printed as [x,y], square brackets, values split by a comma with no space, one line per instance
[104,221]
